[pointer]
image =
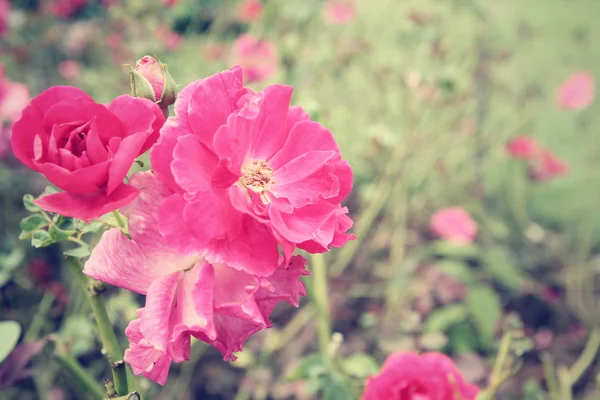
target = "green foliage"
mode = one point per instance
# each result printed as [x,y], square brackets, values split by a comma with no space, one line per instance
[8,263]
[442,319]
[485,309]
[9,332]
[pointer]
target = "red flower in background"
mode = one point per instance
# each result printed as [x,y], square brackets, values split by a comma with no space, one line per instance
[258,57]
[249,10]
[523,147]
[546,167]
[410,376]
[64,9]
[577,92]
[69,69]
[339,12]
[85,148]
[453,224]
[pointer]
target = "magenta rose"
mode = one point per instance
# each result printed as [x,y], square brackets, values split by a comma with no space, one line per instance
[85,148]
[429,376]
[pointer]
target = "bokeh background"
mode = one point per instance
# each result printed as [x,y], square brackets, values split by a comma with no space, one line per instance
[424,98]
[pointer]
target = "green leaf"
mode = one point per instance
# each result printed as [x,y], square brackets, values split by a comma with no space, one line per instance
[78,252]
[457,270]
[311,366]
[336,388]
[41,239]
[33,223]
[8,263]
[499,263]
[59,235]
[462,338]
[92,227]
[454,250]
[29,204]
[80,332]
[9,332]
[360,365]
[485,309]
[48,190]
[442,319]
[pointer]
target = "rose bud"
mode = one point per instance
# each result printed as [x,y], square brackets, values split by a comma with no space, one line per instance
[85,148]
[151,79]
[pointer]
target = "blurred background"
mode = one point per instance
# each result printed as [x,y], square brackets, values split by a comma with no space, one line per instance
[472,130]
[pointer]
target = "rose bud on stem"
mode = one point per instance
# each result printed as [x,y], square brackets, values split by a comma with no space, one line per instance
[150,79]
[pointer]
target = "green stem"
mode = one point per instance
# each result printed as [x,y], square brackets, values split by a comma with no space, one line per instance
[111,348]
[564,380]
[498,376]
[87,384]
[550,376]
[119,219]
[586,358]
[321,300]
[33,332]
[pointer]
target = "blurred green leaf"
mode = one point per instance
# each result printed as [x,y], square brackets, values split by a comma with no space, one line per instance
[41,239]
[360,365]
[485,309]
[499,263]
[462,338]
[336,388]
[29,204]
[31,224]
[455,250]
[311,366]
[8,263]
[80,333]
[78,252]
[457,270]
[9,332]
[441,319]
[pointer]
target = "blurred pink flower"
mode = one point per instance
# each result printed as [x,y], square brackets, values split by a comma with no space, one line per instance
[169,39]
[215,51]
[4,11]
[577,92]
[249,10]
[339,12]
[453,224]
[69,69]
[64,9]
[523,147]
[169,3]
[427,376]
[258,57]
[185,295]
[14,97]
[546,167]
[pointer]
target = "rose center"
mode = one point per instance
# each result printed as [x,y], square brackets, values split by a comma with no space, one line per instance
[257,176]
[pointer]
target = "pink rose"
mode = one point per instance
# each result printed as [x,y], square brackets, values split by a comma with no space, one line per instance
[339,12]
[185,294]
[429,376]
[258,57]
[523,147]
[256,171]
[577,92]
[249,10]
[85,148]
[150,69]
[453,224]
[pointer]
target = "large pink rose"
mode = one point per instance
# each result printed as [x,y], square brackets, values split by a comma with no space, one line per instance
[85,148]
[185,294]
[429,376]
[254,170]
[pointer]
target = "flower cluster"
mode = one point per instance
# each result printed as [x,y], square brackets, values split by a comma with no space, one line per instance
[542,164]
[239,180]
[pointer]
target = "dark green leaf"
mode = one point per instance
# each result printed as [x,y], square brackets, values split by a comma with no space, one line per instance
[441,319]
[29,204]
[59,235]
[462,338]
[41,239]
[9,332]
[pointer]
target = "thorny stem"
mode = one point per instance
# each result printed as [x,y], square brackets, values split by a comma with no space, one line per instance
[87,384]
[320,298]
[111,349]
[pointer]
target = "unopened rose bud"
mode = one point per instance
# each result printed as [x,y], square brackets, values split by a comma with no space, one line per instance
[151,79]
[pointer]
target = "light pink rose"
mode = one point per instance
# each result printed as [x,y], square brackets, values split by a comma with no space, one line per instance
[523,147]
[258,57]
[577,92]
[453,224]
[339,12]
[185,295]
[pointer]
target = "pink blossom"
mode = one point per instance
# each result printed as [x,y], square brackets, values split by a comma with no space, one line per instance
[339,12]
[65,9]
[453,224]
[577,92]
[169,3]
[4,12]
[259,58]
[523,147]
[546,167]
[169,39]
[249,10]
[185,294]
[428,376]
[14,97]
[150,69]
[69,69]
[256,171]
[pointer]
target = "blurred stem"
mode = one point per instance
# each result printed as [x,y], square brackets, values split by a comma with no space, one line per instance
[33,332]
[499,375]
[565,384]
[550,376]
[84,381]
[111,349]
[321,299]
[119,219]
[586,358]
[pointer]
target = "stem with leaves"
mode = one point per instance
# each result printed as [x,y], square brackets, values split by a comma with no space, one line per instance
[111,349]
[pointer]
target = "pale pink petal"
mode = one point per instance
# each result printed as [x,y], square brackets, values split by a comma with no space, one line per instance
[577,92]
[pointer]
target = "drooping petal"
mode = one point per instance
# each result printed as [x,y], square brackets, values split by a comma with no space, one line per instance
[88,206]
